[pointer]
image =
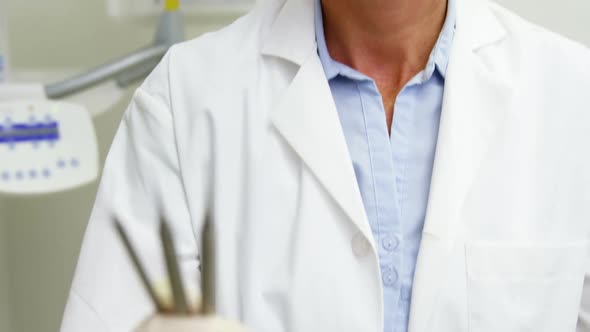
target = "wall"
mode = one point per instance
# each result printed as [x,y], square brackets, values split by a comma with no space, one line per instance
[75,33]
[568,17]
[5,307]
[42,33]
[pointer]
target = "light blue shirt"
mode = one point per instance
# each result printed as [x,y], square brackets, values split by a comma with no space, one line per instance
[393,171]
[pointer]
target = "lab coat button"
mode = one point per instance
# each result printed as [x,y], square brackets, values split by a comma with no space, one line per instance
[360,246]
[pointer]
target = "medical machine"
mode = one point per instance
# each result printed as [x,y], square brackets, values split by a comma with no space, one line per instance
[45,146]
[4,60]
[49,146]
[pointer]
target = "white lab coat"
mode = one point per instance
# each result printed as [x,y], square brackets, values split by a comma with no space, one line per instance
[241,123]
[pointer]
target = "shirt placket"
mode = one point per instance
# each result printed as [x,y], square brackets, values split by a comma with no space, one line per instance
[399,140]
[386,220]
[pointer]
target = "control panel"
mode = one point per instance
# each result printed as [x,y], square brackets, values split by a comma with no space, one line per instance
[45,146]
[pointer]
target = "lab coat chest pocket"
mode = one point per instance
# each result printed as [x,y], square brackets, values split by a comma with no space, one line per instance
[516,288]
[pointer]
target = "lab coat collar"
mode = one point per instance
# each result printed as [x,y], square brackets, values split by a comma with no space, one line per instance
[306,115]
[292,35]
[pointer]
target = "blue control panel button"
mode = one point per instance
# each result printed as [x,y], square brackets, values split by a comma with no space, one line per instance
[29,132]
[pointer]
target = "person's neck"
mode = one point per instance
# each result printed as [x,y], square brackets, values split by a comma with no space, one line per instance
[383,38]
[387,40]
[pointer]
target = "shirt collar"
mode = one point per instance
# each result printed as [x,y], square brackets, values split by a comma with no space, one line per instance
[439,57]
[331,67]
[442,49]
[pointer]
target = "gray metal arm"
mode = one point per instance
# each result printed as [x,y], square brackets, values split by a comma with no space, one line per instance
[129,68]
[136,74]
[104,72]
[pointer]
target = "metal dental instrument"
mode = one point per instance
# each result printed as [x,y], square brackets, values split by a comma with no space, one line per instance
[207,270]
[135,259]
[180,304]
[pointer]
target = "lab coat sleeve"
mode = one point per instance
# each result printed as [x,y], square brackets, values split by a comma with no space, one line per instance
[584,315]
[142,180]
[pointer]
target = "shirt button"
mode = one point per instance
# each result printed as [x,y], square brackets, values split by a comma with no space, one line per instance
[360,245]
[389,276]
[390,243]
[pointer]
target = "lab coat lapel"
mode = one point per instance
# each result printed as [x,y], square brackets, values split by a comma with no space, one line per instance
[475,104]
[306,115]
